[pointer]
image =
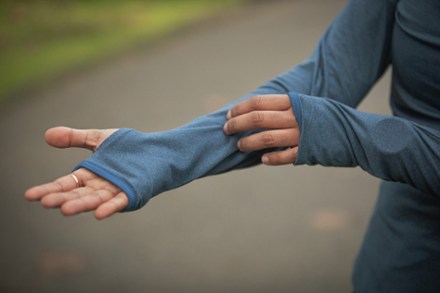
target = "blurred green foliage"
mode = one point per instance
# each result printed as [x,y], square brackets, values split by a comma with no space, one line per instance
[40,40]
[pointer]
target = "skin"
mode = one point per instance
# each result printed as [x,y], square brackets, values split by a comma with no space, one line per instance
[273,113]
[92,193]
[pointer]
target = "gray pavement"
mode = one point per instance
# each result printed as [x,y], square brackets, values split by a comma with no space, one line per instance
[285,229]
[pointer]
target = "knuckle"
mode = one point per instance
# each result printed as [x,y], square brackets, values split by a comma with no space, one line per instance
[267,139]
[256,118]
[256,102]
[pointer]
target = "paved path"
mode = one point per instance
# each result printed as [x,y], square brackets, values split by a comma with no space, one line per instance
[262,230]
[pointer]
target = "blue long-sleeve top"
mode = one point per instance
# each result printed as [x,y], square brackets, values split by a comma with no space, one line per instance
[365,38]
[401,249]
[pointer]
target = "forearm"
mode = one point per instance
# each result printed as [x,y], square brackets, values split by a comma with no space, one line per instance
[390,148]
[146,164]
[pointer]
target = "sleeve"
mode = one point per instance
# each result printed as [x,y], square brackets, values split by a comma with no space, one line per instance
[350,57]
[146,164]
[391,148]
[348,60]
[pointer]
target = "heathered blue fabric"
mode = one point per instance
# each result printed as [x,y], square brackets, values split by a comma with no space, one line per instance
[401,249]
[391,148]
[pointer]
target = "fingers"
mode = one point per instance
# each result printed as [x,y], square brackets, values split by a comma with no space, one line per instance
[85,199]
[263,111]
[55,200]
[281,157]
[86,203]
[260,103]
[269,139]
[260,119]
[64,137]
[111,207]
[95,193]
[275,115]
[62,184]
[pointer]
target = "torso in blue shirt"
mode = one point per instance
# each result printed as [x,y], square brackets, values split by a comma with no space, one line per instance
[401,250]
[415,57]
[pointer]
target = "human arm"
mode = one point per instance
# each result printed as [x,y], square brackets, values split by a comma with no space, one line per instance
[333,134]
[144,165]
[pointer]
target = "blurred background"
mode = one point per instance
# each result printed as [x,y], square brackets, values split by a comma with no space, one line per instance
[41,40]
[154,65]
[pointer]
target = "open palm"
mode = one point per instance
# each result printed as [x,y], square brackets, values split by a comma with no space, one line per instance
[91,192]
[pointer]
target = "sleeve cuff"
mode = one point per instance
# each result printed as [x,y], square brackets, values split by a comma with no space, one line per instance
[133,200]
[296,105]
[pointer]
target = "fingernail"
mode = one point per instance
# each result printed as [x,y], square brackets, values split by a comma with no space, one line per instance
[228,115]
[265,159]
[225,128]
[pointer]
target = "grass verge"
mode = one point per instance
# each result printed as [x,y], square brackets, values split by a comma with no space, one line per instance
[40,40]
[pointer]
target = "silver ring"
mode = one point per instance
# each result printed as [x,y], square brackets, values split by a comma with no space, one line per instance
[75,179]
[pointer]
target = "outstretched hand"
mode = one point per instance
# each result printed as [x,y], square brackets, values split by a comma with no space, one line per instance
[275,115]
[82,190]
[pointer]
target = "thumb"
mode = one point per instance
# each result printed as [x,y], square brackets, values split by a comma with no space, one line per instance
[65,137]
